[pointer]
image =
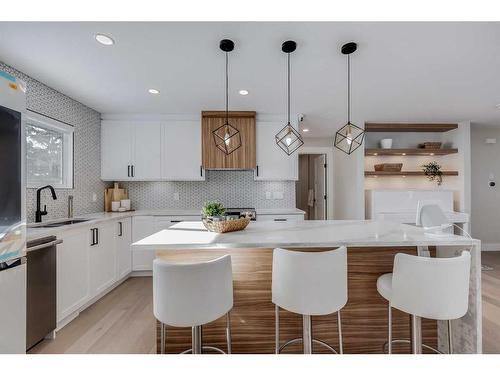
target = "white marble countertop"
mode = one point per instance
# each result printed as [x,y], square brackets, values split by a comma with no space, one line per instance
[35,232]
[317,233]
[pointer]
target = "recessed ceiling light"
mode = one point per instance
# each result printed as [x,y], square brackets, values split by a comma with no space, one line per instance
[154,91]
[243,92]
[498,106]
[305,130]
[104,39]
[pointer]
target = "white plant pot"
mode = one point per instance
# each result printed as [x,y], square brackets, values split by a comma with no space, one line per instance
[386,143]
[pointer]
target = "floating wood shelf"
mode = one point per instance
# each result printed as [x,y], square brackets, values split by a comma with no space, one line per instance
[406,173]
[408,127]
[409,151]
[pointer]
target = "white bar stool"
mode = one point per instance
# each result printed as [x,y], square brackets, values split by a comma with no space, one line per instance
[309,283]
[432,288]
[190,295]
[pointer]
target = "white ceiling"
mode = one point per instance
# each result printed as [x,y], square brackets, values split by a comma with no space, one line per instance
[401,71]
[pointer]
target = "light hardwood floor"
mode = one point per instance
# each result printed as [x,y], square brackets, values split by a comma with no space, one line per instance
[491,302]
[120,322]
[123,322]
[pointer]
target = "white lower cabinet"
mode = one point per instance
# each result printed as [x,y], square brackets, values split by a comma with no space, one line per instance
[72,272]
[89,261]
[143,226]
[102,257]
[123,230]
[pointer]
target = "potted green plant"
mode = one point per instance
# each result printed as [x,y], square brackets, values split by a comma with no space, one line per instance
[433,172]
[213,210]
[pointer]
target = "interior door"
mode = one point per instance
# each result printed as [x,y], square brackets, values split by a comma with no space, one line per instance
[116,150]
[147,151]
[320,187]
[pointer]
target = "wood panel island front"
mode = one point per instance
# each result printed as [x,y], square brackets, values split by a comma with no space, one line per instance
[371,245]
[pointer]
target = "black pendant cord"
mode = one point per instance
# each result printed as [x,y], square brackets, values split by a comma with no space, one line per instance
[288,57]
[227,89]
[348,89]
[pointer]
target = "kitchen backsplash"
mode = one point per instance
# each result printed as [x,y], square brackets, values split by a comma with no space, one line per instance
[87,159]
[233,188]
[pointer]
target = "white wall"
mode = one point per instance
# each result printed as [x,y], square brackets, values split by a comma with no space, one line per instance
[348,180]
[485,200]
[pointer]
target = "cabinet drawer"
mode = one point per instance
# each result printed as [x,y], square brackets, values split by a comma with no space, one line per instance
[164,222]
[280,218]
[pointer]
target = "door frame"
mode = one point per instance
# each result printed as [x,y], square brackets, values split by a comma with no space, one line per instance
[328,151]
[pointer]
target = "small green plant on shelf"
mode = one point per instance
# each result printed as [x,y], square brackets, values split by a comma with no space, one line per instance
[213,209]
[433,172]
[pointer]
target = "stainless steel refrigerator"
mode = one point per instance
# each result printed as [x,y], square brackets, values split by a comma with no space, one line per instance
[12,216]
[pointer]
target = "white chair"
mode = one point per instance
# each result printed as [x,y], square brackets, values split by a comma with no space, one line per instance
[432,288]
[309,283]
[431,216]
[190,295]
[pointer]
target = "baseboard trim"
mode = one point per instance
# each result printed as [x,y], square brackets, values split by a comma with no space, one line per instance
[490,246]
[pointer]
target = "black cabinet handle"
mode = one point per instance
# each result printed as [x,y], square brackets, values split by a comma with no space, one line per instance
[97,236]
[257,170]
[201,170]
[93,242]
[176,221]
[128,170]
[280,219]
[133,172]
[120,229]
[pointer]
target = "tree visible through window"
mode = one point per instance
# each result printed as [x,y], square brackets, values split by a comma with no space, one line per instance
[48,155]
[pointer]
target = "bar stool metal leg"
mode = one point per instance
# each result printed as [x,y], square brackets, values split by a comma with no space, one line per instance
[196,340]
[276,329]
[389,328]
[416,334]
[162,338]
[450,338]
[339,327]
[228,333]
[307,334]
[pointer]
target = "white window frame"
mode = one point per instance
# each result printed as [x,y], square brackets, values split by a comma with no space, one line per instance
[68,140]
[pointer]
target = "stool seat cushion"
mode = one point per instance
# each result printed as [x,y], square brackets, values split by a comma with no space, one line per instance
[384,286]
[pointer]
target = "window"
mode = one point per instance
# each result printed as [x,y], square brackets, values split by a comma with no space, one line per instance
[49,152]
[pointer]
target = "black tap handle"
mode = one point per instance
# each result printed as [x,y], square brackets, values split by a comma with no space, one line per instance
[44,209]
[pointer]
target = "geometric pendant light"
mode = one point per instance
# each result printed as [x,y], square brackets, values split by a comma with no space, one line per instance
[226,137]
[349,137]
[289,139]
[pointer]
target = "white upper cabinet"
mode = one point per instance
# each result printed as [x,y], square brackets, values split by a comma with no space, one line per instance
[181,151]
[147,151]
[273,164]
[116,150]
[130,150]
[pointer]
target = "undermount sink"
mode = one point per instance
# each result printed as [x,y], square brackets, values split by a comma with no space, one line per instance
[58,223]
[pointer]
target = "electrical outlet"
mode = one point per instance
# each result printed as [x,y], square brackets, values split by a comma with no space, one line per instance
[176,196]
[268,195]
[277,195]
[94,197]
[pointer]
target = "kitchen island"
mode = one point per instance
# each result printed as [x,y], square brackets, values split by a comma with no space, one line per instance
[371,249]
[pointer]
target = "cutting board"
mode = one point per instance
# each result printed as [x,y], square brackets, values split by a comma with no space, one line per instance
[113,194]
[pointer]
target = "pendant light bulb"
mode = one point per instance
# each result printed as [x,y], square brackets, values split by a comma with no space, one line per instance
[349,136]
[227,137]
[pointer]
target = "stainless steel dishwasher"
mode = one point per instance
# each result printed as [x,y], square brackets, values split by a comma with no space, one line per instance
[41,294]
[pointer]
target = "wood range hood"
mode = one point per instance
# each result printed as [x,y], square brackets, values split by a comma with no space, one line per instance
[244,158]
